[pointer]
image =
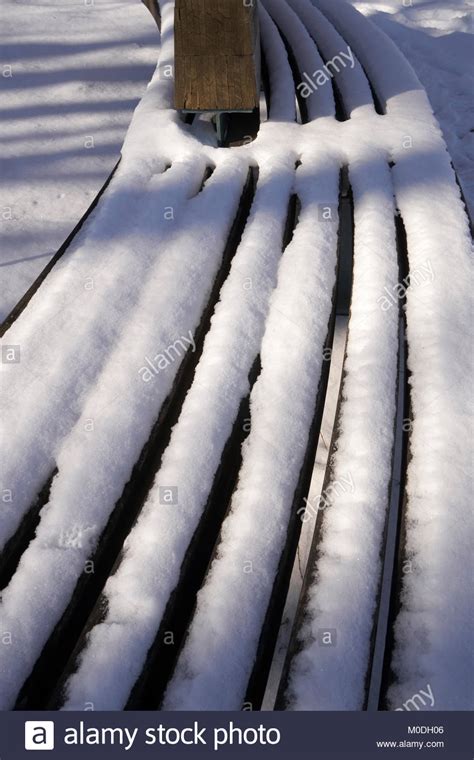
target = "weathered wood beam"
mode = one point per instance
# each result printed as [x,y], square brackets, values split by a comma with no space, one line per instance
[216,55]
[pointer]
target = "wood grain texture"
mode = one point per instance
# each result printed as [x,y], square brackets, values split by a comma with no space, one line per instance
[216,55]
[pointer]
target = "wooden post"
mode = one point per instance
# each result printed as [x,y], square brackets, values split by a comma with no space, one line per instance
[217,56]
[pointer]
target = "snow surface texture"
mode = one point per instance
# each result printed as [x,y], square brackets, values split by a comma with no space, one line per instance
[354,522]
[253,535]
[98,338]
[72,73]
[437,39]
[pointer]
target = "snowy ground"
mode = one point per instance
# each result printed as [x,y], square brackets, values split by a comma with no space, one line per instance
[72,73]
[437,38]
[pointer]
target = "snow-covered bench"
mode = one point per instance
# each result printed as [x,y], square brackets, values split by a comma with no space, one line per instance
[196,438]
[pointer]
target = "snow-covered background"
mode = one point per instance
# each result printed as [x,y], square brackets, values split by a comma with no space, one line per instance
[72,74]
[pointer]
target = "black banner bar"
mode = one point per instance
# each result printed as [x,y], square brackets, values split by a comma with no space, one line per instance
[288,735]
